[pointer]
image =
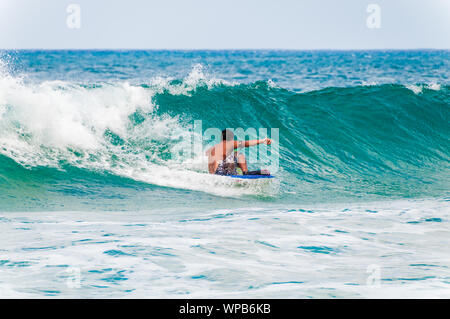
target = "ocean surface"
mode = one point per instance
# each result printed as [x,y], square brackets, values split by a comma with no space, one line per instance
[100,199]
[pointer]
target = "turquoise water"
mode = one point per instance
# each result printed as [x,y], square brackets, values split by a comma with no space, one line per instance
[93,182]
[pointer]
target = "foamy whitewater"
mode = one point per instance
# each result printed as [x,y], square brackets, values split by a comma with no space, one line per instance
[99,197]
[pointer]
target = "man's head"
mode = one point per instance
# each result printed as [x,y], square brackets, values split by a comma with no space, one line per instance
[227,135]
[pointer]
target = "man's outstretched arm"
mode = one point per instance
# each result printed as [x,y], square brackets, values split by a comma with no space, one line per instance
[239,144]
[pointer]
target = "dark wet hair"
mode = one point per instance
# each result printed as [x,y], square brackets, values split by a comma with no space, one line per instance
[227,135]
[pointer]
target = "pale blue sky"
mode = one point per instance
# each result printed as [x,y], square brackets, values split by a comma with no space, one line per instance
[227,24]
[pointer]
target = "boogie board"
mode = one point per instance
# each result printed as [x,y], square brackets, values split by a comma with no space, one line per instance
[250,176]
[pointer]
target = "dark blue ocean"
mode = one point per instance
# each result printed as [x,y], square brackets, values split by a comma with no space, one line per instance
[104,190]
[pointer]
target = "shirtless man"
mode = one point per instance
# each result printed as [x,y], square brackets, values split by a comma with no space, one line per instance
[223,159]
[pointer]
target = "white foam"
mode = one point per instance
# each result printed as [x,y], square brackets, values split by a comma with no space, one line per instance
[369,83]
[434,86]
[417,89]
[197,77]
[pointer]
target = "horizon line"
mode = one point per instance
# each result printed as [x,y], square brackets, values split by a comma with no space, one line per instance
[222,49]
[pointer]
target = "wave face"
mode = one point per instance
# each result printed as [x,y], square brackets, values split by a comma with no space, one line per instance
[114,143]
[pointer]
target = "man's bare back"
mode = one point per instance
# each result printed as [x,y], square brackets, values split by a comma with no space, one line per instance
[223,159]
